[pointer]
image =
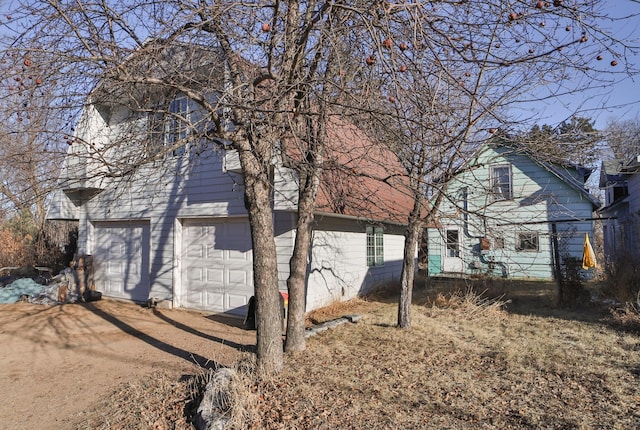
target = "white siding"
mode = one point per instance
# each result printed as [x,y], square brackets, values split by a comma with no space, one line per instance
[284,228]
[182,187]
[338,266]
[174,193]
[61,207]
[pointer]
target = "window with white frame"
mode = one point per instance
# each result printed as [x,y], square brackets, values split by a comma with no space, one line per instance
[176,125]
[501,184]
[375,246]
[169,126]
[528,241]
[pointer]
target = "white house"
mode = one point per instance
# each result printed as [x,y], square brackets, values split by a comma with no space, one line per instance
[176,229]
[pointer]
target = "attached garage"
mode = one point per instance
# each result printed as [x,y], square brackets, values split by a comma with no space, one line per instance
[217,265]
[121,259]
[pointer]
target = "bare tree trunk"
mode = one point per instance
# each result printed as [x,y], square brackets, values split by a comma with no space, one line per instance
[296,283]
[269,349]
[409,265]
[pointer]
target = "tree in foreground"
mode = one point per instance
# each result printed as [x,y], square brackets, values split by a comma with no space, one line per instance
[270,74]
[455,73]
[263,77]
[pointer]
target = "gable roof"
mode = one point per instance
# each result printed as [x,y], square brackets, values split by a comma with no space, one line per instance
[617,170]
[556,168]
[363,178]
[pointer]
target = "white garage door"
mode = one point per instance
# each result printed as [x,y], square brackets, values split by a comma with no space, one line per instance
[121,259]
[217,272]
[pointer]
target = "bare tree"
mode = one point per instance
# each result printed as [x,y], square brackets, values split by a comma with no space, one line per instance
[30,153]
[458,73]
[267,74]
[623,138]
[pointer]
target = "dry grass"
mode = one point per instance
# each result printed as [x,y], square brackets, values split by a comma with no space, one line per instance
[156,402]
[627,316]
[467,363]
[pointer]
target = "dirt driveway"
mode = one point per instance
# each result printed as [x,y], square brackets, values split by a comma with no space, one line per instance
[56,361]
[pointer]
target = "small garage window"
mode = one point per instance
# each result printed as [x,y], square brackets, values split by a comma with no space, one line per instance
[375,246]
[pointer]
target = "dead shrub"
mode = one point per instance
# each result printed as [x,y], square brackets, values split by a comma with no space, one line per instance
[241,395]
[622,279]
[336,310]
[573,290]
[627,315]
[15,250]
[468,304]
[24,244]
[157,401]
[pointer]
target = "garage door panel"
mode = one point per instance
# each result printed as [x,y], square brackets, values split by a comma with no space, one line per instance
[114,268]
[214,253]
[121,259]
[117,248]
[226,263]
[237,277]
[195,251]
[114,287]
[194,297]
[215,276]
[215,300]
[194,274]
[236,255]
[236,302]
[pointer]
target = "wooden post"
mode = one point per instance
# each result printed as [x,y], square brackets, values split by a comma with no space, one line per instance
[82,281]
[556,262]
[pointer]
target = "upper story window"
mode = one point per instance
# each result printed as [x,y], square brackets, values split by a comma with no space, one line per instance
[501,182]
[375,246]
[169,126]
[177,125]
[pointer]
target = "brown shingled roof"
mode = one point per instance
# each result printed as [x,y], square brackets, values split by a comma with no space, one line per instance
[362,178]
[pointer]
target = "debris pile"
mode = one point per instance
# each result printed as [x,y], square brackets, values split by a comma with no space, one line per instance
[73,284]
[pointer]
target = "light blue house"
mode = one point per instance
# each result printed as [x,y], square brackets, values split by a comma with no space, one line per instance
[511,215]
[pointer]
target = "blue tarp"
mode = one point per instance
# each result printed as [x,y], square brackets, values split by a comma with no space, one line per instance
[36,293]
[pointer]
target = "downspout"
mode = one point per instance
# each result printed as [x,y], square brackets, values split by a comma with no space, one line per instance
[465,217]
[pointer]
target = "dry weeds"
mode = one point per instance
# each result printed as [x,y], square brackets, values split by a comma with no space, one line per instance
[467,363]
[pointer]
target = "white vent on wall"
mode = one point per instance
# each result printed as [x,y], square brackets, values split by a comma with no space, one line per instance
[231,161]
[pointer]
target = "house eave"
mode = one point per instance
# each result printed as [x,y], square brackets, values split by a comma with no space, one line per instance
[321,214]
[81,195]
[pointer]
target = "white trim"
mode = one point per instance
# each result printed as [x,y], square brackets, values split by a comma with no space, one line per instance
[176,292]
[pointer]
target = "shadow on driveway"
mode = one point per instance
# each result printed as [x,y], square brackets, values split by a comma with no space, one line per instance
[184,354]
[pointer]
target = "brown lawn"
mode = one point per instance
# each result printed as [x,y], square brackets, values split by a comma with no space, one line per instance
[468,362]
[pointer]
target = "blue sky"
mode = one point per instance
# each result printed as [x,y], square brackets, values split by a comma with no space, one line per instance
[622,99]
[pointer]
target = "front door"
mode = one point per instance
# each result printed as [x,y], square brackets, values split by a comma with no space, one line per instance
[452,261]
